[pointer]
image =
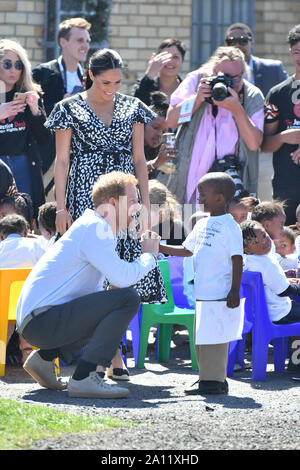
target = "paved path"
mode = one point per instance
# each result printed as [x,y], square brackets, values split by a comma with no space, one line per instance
[255,415]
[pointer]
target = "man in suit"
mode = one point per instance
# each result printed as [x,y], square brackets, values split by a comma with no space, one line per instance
[62,77]
[263,73]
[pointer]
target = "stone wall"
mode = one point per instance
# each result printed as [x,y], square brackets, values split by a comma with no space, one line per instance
[138,26]
[24,20]
[273,22]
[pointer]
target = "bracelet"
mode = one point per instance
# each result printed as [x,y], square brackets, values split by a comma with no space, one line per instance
[60,210]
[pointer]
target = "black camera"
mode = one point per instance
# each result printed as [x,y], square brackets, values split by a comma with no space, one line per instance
[230,164]
[219,87]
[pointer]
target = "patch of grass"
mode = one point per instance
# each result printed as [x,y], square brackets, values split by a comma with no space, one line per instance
[21,424]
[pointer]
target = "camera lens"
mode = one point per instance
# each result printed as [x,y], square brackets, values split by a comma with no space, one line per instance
[219,92]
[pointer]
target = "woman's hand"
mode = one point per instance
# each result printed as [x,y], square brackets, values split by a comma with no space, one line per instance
[63,221]
[164,155]
[156,62]
[11,109]
[32,99]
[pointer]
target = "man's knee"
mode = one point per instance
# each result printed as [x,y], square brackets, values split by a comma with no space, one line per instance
[132,298]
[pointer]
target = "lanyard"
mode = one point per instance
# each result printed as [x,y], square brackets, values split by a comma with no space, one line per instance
[215,112]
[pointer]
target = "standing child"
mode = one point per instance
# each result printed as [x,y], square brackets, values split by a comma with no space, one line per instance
[217,247]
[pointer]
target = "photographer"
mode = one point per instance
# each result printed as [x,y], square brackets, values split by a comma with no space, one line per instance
[214,128]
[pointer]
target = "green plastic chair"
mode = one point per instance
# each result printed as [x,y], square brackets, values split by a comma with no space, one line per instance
[166,315]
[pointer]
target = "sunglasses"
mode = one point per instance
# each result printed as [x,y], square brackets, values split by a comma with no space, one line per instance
[7,64]
[242,40]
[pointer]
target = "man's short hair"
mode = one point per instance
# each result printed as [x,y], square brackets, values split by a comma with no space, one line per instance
[267,210]
[294,35]
[64,29]
[111,185]
[13,223]
[222,183]
[242,26]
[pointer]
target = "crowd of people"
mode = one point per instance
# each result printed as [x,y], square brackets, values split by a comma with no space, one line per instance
[122,193]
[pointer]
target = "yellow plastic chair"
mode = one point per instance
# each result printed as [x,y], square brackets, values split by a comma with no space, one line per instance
[11,282]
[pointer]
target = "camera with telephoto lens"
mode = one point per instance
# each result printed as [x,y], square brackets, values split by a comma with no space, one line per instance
[230,164]
[219,87]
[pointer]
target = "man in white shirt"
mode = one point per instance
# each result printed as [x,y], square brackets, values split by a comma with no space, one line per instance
[60,309]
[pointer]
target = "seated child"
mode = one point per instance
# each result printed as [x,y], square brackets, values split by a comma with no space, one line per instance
[286,249]
[278,289]
[216,246]
[46,222]
[272,217]
[297,240]
[238,209]
[18,251]
[20,204]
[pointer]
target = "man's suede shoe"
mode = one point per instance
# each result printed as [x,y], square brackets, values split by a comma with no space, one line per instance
[43,372]
[94,386]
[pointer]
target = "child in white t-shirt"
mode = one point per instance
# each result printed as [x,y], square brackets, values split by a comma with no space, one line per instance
[217,249]
[18,251]
[278,288]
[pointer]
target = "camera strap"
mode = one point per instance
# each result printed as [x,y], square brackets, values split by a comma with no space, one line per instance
[215,113]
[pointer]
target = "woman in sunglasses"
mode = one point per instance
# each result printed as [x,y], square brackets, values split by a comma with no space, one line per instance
[21,120]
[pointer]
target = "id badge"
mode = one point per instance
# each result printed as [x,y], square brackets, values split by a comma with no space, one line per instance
[186,110]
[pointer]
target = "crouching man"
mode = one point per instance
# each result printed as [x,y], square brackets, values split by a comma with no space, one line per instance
[60,308]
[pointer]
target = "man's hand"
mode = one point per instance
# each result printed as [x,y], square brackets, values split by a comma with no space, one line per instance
[233,298]
[231,103]
[150,242]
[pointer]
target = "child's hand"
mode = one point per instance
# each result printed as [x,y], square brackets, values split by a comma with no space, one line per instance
[233,298]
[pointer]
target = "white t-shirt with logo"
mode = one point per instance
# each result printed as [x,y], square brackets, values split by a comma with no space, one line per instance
[213,241]
[275,282]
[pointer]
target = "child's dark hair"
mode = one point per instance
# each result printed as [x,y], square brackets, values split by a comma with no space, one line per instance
[22,204]
[101,61]
[267,210]
[13,223]
[47,216]
[248,233]
[235,201]
[289,233]
[222,183]
[159,103]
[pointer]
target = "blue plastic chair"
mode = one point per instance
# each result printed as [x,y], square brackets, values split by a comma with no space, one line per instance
[263,330]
